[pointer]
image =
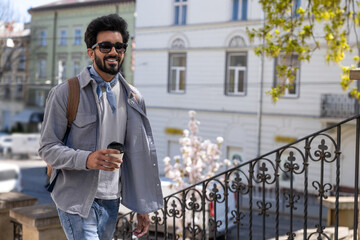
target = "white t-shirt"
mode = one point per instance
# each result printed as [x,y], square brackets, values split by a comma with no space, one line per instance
[112,128]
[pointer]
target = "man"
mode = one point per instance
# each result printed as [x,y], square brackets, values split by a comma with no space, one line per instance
[89,183]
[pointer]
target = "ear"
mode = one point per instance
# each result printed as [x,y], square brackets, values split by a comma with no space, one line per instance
[91,54]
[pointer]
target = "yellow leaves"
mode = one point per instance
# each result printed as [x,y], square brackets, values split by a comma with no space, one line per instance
[285,77]
[329,36]
[350,14]
[317,43]
[345,69]
[275,93]
[300,11]
[355,94]
[307,29]
[268,36]
[251,34]
[356,59]
[258,51]
[279,21]
[325,15]
[291,30]
[276,52]
[345,81]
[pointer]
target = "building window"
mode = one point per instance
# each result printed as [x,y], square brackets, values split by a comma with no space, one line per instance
[63,37]
[22,62]
[237,42]
[19,87]
[236,73]
[180,12]
[235,155]
[7,88]
[177,72]
[40,98]
[76,67]
[178,44]
[77,37]
[289,60]
[61,70]
[239,10]
[8,64]
[42,37]
[41,68]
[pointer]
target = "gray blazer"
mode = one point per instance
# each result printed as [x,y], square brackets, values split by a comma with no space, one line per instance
[76,185]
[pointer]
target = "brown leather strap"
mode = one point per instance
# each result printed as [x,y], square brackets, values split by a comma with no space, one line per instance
[72,106]
[73,100]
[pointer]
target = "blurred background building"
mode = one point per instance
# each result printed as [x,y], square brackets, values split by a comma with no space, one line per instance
[196,55]
[58,50]
[14,54]
[39,55]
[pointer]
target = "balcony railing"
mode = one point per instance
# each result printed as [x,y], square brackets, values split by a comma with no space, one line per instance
[337,106]
[17,231]
[276,194]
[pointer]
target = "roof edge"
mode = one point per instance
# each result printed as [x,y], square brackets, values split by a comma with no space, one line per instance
[77,4]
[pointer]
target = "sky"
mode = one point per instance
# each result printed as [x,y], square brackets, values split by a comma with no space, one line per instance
[22,6]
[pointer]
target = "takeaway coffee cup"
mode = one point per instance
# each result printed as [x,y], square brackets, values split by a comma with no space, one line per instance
[119,147]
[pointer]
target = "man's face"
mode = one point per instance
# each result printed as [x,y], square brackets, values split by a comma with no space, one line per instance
[107,63]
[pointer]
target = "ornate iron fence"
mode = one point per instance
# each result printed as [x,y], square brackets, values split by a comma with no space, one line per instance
[281,193]
[17,230]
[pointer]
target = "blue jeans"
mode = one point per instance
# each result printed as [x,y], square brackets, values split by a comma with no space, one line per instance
[99,225]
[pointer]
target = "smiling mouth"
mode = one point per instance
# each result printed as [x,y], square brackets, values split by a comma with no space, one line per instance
[112,60]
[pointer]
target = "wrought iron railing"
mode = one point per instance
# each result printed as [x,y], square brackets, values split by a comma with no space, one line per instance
[281,193]
[17,231]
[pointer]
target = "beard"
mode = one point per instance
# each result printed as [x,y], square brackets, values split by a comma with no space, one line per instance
[113,69]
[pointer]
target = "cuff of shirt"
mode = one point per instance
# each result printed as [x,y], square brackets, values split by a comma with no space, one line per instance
[81,160]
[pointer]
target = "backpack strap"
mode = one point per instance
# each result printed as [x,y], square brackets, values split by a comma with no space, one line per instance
[73,100]
[72,106]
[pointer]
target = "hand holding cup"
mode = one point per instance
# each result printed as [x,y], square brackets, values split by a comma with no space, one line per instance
[119,147]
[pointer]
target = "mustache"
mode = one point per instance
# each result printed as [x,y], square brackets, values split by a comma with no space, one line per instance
[116,57]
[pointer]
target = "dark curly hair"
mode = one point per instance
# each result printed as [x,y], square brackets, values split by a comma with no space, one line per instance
[112,22]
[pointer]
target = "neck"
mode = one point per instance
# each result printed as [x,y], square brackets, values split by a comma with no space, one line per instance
[105,76]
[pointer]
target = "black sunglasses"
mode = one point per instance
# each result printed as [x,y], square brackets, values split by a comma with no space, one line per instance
[106,47]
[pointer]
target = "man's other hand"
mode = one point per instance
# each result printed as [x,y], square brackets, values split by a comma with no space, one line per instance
[143,225]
